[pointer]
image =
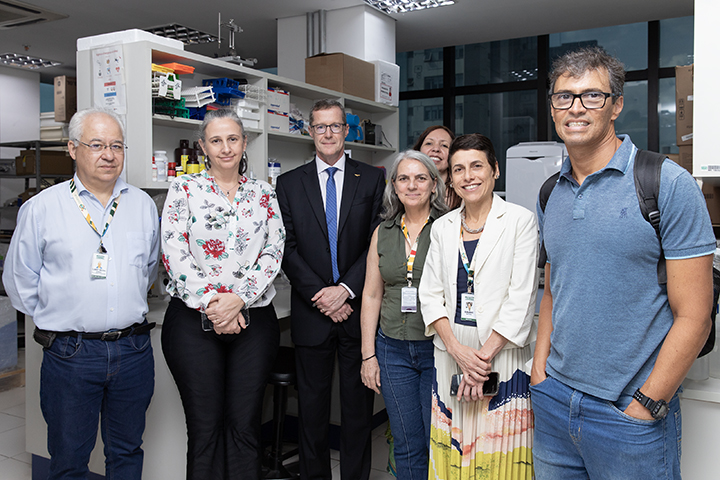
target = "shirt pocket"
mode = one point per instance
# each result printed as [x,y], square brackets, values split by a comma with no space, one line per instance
[139,247]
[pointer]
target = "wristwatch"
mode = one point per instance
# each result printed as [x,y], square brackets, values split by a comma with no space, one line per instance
[658,408]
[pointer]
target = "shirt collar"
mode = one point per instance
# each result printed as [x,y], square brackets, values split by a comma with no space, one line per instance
[322,166]
[120,187]
[620,160]
[397,221]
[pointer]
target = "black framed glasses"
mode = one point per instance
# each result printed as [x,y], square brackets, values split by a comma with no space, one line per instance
[589,100]
[118,148]
[334,128]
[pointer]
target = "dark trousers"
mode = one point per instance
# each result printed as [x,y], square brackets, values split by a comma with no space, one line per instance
[221,379]
[315,367]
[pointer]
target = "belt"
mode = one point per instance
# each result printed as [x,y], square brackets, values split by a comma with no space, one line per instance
[109,336]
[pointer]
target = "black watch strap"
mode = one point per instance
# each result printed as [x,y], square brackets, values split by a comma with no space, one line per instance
[658,408]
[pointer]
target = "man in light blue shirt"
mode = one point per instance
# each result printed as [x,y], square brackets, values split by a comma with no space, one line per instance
[81,261]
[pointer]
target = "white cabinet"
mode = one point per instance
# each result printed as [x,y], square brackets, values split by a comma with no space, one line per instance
[146,133]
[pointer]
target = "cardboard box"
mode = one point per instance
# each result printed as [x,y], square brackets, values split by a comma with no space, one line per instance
[278,122]
[278,100]
[712,198]
[65,98]
[342,73]
[51,163]
[685,157]
[387,82]
[684,104]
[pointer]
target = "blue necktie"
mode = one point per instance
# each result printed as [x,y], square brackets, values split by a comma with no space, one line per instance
[331,219]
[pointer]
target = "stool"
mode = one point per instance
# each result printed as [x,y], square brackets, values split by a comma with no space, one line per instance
[281,377]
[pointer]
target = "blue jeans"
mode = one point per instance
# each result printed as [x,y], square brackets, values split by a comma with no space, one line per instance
[83,379]
[578,436]
[406,375]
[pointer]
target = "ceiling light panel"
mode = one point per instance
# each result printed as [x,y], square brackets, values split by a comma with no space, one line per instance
[26,61]
[188,36]
[403,6]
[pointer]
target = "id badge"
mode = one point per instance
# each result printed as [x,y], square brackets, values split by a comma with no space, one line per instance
[467,306]
[408,303]
[99,265]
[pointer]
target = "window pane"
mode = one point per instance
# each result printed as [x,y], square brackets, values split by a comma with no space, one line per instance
[421,69]
[634,119]
[416,116]
[627,42]
[497,62]
[676,41]
[666,112]
[506,118]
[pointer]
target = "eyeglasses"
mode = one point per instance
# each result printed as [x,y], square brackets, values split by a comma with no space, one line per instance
[117,148]
[589,100]
[334,128]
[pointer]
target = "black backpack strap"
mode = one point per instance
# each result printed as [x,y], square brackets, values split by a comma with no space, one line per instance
[648,167]
[543,197]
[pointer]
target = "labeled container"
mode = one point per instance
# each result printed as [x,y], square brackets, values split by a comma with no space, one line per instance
[182,153]
[274,171]
[161,165]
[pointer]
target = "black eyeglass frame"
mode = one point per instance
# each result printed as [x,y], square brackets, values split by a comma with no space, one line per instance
[580,95]
[324,128]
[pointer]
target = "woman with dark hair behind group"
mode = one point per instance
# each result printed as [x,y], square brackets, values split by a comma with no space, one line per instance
[435,142]
[222,242]
[399,362]
[477,294]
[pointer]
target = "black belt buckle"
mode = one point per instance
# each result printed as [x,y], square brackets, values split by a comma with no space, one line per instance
[111,336]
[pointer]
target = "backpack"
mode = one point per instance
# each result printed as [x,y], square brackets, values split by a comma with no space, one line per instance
[647,169]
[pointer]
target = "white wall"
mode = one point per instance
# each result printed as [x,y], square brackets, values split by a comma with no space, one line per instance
[19,121]
[360,31]
[706,98]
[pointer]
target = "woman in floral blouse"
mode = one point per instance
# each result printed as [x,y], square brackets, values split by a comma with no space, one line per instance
[223,241]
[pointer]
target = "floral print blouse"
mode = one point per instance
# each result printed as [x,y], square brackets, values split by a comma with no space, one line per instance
[213,245]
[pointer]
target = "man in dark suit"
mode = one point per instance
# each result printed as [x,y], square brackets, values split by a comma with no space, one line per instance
[330,208]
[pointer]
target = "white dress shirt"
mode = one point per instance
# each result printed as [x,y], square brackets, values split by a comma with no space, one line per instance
[339,177]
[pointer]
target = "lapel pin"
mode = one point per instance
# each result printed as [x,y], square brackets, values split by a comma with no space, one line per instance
[357,174]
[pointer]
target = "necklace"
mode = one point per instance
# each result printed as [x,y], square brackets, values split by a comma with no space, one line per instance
[468,229]
[226,192]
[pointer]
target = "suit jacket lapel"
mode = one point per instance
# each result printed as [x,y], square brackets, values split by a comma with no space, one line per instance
[311,185]
[350,185]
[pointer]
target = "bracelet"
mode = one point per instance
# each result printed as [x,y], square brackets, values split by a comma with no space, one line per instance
[368,358]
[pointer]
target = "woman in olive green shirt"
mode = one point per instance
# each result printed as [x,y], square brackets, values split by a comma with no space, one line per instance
[398,362]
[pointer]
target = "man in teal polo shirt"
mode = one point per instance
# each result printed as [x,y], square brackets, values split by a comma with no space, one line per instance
[613,345]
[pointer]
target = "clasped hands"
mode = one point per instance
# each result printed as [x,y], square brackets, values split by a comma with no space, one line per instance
[224,311]
[331,302]
[475,367]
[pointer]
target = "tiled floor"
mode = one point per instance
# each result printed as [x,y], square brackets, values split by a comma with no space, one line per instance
[15,461]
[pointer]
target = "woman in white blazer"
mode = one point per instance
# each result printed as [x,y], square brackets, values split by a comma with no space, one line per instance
[477,296]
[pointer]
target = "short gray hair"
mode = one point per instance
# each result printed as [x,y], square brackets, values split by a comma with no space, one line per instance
[392,205]
[578,62]
[326,104]
[77,122]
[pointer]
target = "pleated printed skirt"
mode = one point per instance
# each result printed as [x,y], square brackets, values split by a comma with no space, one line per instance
[487,439]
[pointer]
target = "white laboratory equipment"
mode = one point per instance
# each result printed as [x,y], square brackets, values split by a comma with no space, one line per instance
[528,165]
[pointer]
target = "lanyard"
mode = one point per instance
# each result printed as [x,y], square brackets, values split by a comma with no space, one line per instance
[86,214]
[469,268]
[413,248]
